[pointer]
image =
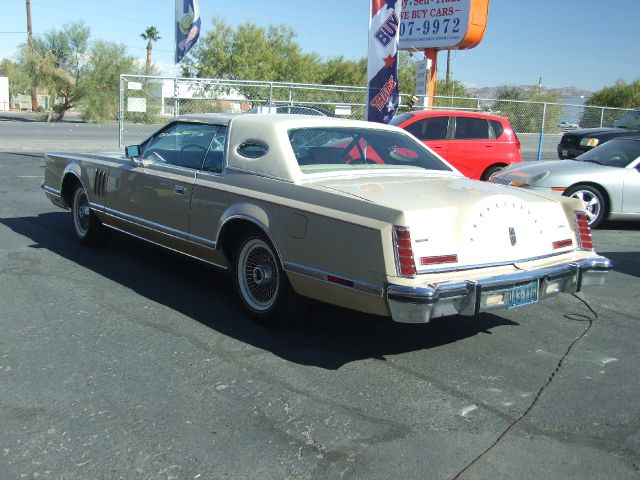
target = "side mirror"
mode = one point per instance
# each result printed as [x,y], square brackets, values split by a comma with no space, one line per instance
[132,151]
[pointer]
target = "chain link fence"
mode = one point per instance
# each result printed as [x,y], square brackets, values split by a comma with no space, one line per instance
[148,101]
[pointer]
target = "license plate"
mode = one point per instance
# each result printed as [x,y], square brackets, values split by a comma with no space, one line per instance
[523,294]
[565,152]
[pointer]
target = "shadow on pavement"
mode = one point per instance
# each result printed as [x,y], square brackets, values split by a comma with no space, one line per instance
[328,337]
[618,225]
[624,262]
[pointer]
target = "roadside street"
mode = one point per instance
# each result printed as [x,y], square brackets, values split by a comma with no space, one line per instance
[131,362]
[30,136]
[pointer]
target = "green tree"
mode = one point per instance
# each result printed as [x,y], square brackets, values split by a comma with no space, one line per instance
[98,89]
[525,109]
[151,35]
[250,52]
[18,79]
[619,95]
[55,62]
[339,71]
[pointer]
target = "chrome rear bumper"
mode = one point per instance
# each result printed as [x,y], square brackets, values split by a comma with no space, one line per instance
[470,297]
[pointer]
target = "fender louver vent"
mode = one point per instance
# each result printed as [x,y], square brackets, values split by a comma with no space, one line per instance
[100,183]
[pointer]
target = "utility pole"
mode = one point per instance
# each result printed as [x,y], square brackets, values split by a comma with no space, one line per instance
[448,66]
[34,96]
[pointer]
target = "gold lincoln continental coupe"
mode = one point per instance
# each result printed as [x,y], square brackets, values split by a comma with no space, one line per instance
[355,214]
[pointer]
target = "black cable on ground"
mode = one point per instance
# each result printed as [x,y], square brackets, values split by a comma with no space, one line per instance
[570,316]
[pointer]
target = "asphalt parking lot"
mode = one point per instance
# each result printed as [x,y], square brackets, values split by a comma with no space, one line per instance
[130,362]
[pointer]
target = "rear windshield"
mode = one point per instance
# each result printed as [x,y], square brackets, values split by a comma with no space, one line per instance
[619,152]
[398,119]
[343,149]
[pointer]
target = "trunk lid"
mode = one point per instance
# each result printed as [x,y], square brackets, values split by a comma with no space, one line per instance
[481,223]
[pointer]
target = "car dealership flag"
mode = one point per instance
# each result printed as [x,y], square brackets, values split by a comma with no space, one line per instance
[187,26]
[382,68]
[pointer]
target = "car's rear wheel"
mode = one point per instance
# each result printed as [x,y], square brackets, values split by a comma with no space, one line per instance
[490,171]
[261,284]
[87,227]
[593,201]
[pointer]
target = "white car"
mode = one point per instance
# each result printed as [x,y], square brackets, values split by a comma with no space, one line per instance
[356,214]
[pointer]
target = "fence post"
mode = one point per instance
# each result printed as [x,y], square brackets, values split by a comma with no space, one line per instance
[290,97]
[270,96]
[601,116]
[120,111]
[176,105]
[544,118]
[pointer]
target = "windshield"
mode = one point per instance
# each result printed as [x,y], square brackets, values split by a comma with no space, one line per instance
[338,149]
[630,120]
[618,152]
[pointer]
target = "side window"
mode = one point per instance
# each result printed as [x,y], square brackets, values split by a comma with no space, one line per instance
[215,156]
[434,128]
[469,128]
[497,128]
[181,144]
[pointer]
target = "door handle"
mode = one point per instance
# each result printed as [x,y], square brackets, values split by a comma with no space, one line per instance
[180,189]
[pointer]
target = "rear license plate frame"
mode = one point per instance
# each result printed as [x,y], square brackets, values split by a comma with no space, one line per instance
[523,294]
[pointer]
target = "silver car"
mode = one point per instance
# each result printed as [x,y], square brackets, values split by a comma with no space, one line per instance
[606,179]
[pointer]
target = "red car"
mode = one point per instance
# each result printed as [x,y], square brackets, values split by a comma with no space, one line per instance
[475,143]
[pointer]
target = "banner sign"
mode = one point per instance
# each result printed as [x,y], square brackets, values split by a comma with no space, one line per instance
[187,26]
[382,67]
[433,23]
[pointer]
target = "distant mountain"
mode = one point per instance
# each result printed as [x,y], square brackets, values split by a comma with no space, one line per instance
[565,92]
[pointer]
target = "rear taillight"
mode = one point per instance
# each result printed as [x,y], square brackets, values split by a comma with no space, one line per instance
[517,139]
[405,263]
[562,243]
[583,231]
[440,259]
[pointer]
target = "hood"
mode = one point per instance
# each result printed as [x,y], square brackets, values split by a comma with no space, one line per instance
[561,172]
[480,222]
[602,133]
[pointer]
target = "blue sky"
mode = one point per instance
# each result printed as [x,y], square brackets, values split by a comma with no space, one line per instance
[583,43]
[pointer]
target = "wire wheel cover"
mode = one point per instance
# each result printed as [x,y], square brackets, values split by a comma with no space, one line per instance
[81,212]
[258,275]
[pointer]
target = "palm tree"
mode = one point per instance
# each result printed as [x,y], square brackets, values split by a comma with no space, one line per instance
[151,35]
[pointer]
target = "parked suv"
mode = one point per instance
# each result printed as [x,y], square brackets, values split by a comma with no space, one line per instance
[577,142]
[477,144]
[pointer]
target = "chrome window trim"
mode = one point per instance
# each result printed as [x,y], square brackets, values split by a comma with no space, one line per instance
[316,274]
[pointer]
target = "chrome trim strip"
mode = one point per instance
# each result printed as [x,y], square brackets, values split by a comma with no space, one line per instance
[359,285]
[462,268]
[204,242]
[147,223]
[97,206]
[53,191]
[164,246]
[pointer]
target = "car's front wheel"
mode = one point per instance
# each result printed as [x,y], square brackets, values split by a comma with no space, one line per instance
[593,201]
[87,227]
[261,284]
